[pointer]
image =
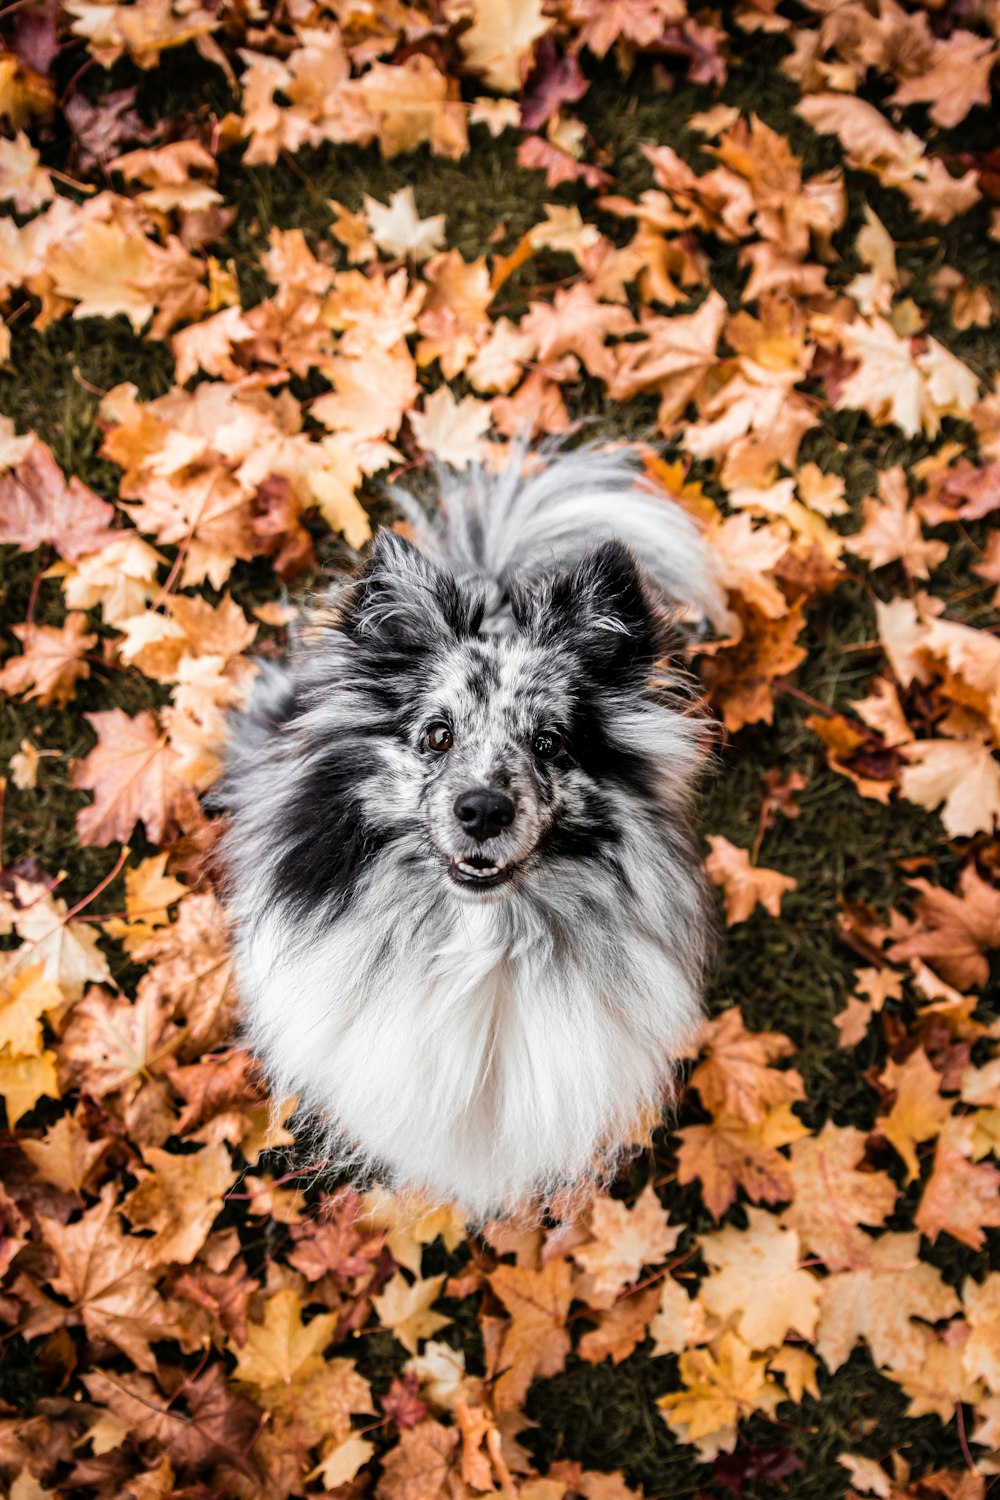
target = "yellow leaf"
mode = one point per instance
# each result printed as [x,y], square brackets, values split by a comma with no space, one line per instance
[405,1307]
[23,1081]
[282,1351]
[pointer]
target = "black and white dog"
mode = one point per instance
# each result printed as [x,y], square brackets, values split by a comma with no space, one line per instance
[468,908]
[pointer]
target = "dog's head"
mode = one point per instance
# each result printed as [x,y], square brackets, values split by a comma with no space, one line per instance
[497,756]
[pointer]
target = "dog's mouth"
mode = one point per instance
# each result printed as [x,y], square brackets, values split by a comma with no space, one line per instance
[479,873]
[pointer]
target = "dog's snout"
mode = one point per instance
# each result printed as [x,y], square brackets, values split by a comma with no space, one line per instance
[484,813]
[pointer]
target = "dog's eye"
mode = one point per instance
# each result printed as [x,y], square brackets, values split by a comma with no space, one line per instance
[548,745]
[439,738]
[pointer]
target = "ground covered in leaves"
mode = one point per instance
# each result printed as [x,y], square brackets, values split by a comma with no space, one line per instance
[254,261]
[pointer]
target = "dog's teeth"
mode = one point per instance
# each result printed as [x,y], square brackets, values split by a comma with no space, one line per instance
[477,870]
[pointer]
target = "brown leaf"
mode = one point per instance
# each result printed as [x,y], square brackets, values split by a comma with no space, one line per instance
[192,970]
[535,1342]
[132,772]
[832,1196]
[734,1078]
[740,676]
[953,931]
[621,1329]
[52,661]
[622,1241]
[729,1153]
[422,1466]
[179,1198]
[878,1300]
[37,505]
[105,1276]
[744,885]
[962,1197]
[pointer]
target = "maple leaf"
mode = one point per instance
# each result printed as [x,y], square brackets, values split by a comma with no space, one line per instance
[132,772]
[537,154]
[892,530]
[878,1300]
[105,1275]
[576,323]
[918,1111]
[440,1372]
[179,1197]
[338,1243]
[745,555]
[399,230]
[409,1225]
[938,1382]
[24,999]
[679,1321]
[757,1282]
[831,1197]
[281,1351]
[100,129]
[734,1078]
[23,1081]
[744,885]
[68,950]
[23,178]
[501,38]
[192,971]
[962,777]
[962,1197]
[342,1462]
[620,1329]
[981,1350]
[454,321]
[622,1241]
[414,102]
[730,1153]
[953,931]
[957,78]
[102,272]
[52,662]
[741,676]
[65,1155]
[109,1045]
[720,1388]
[673,359]
[405,1307]
[895,385]
[148,893]
[452,431]
[422,1465]
[37,505]
[535,1342]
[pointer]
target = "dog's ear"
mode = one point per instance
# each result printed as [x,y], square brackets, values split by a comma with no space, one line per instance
[601,608]
[402,601]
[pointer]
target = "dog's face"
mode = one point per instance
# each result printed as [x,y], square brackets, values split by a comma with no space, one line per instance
[503,756]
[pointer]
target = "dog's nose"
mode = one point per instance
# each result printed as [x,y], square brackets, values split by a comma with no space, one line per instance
[484,813]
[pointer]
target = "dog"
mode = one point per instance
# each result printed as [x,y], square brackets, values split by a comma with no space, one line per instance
[469,915]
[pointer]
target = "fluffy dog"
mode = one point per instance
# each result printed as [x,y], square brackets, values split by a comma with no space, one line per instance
[470,921]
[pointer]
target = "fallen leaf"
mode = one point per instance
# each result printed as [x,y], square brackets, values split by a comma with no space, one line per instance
[535,1341]
[132,772]
[734,1076]
[878,1300]
[744,885]
[405,1307]
[37,505]
[621,1242]
[730,1153]
[756,1282]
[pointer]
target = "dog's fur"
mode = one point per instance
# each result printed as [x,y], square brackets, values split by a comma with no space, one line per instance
[494,1043]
